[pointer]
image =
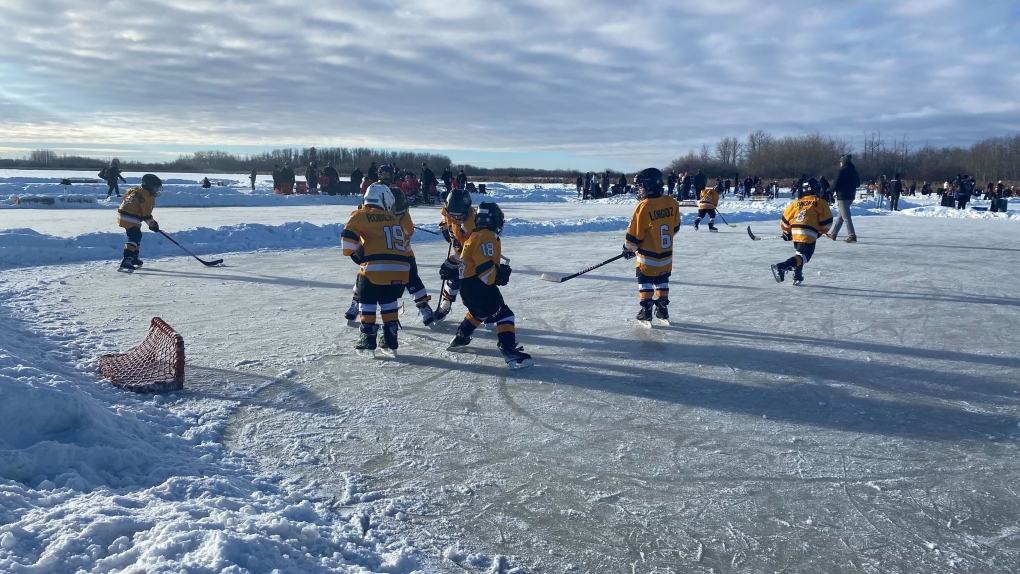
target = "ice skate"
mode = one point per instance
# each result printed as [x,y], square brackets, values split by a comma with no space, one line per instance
[779,272]
[427,316]
[388,344]
[516,358]
[136,262]
[126,266]
[798,276]
[366,345]
[352,315]
[712,227]
[442,310]
[661,313]
[644,316]
[697,222]
[460,342]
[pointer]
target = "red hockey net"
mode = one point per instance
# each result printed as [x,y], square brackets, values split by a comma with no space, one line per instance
[155,366]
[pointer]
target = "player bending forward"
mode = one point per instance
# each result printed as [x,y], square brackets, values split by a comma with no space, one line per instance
[136,208]
[415,286]
[457,224]
[650,237]
[481,276]
[374,239]
[803,221]
[706,206]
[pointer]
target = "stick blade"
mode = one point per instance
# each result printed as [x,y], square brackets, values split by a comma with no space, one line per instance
[215,263]
[552,278]
[751,235]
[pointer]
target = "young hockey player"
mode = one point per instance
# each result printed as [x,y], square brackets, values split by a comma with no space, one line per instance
[650,237]
[706,206]
[374,239]
[481,277]
[457,224]
[415,286]
[135,208]
[804,220]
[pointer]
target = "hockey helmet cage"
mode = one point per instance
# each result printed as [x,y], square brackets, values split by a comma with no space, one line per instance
[650,182]
[380,196]
[152,183]
[489,216]
[458,203]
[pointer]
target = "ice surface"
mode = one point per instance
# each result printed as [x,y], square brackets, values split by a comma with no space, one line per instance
[865,421]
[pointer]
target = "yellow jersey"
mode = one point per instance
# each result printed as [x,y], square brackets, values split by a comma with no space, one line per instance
[480,256]
[380,238]
[650,233]
[806,218]
[135,208]
[709,199]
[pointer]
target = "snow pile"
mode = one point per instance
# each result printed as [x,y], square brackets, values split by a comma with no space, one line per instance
[94,479]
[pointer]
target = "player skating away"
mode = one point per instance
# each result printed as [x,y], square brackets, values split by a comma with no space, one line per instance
[457,224]
[804,220]
[481,277]
[706,206]
[374,239]
[136,208]
[650,237]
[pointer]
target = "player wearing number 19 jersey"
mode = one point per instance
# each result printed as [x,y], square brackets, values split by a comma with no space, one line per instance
[650,239]
[374,239]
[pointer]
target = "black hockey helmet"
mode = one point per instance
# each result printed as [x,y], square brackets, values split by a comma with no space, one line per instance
[650,182]
[489,216]
[812,187]
[458,203]
[400,205]
[152,183]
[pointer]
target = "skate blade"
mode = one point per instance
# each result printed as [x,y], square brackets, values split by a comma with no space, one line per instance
[385,354]
[776,275]
[125,270]
[517,366]
[645,324]
[460,349]
[660,322]
[369,353]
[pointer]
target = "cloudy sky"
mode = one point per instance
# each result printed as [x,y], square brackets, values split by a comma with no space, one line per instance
[585,84]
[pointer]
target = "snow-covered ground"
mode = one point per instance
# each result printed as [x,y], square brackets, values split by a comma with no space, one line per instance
[866,421]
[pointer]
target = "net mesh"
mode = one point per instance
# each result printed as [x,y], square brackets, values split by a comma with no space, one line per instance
[154,366]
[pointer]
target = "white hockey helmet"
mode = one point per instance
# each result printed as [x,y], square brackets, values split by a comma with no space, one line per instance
[379,195]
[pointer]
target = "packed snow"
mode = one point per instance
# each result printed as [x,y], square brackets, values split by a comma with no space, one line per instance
[866,421]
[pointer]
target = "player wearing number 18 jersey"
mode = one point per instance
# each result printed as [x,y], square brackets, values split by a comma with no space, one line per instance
[374,239]
[650,239]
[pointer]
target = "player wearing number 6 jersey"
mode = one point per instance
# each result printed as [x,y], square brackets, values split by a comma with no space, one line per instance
[650,238]
[374,239]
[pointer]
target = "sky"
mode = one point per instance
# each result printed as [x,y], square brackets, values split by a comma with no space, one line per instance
[573,84]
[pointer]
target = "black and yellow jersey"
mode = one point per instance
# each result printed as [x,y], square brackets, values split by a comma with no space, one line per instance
[650,234]
[806,219]
[480,256]
[709,199]
[380,237]
[458,230]
[135,208]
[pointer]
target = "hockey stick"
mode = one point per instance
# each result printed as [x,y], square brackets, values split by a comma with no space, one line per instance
[760,237]
[719,213]
[547,277]
[204,262]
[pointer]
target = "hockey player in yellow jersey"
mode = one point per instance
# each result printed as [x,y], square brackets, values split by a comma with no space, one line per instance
[707,203]
[481,277]
[374,239]
[135,209]
[415,286]
[650,238]
[804,220]
[458,221]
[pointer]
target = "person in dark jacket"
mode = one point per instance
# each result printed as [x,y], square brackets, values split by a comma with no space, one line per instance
[823,186]
[312,176]
[334,178]
[895,191]
[605,183]
[206,184]
[356,178]
[671,181]
[963,192]
[287,179]
[748,187]
[622,183]
[580,184]
[428,183]
[112,175]
[700,183]
[276,178]
[254,175]
[373,173]
[447,179]
[685,186]
[845,190]
[461,180]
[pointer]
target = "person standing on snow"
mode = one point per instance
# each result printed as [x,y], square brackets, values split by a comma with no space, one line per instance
[113,173]
[254,175]
[649,238]
[895,190]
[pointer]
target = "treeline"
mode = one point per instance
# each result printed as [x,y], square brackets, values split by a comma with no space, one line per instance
[343,159]
[789,157]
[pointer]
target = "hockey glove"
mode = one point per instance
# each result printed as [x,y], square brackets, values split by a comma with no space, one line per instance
[450,271]
[503,274]
[628,254]
[153,226]
[446,233]
[358,256]
[787,236]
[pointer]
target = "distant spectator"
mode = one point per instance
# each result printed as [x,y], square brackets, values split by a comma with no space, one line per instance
[461,180]
[112,175]
[373,173]
[622,183]
[823,186]
[845,190]
[895,191]
[287,179]
[357,177]
[963,191]
[254,175]
[700,183]
[206,184]
[605,182]
[276,178]
[312,176]
[428,182]
[685,185]
[334,178]
[580,184]
[447,179]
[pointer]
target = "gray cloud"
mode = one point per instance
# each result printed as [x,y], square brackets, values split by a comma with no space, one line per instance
[633,83]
